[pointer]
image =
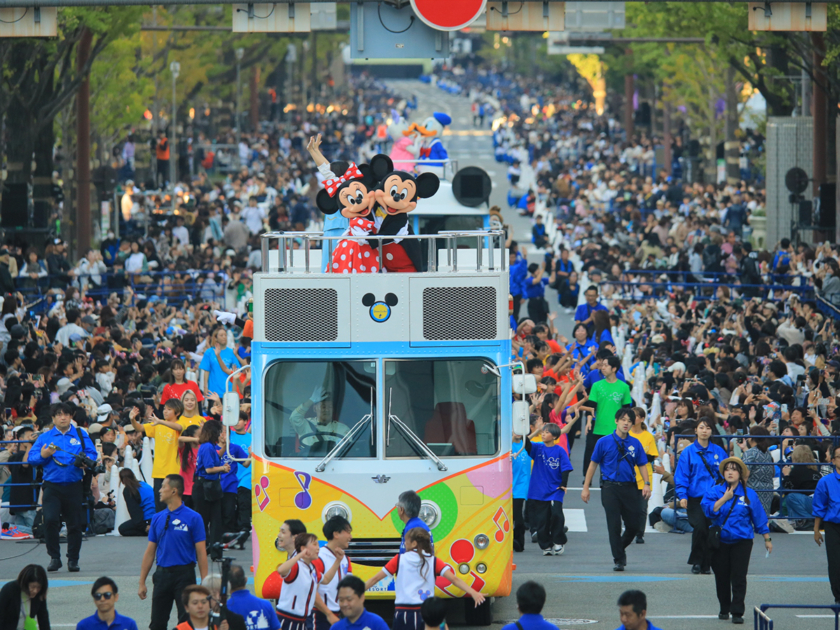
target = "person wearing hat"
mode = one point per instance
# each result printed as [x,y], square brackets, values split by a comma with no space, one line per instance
[737,511]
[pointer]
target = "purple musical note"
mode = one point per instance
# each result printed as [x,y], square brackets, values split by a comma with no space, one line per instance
[303,499]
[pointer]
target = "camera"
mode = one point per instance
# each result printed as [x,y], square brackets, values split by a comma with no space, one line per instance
[80,460]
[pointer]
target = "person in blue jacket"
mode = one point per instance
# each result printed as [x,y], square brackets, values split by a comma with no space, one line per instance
[826,510]
[582,348]
[583,313]
[63,493]
[518,271]
[547,489]
[602,332]
[697,471]
[632,609]
[737,510]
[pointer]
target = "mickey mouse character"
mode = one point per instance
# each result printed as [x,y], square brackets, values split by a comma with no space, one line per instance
[350,195]
[397,195]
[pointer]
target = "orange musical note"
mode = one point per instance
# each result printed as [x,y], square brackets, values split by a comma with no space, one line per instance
[502,522]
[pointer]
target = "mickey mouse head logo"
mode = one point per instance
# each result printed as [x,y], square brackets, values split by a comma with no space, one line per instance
[380,311]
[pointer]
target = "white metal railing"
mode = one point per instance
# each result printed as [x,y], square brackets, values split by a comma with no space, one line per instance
[449,166]
[486,242]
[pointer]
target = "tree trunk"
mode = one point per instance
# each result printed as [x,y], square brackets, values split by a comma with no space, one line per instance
[42,177]
[20,123]
[777,57]
[731,145]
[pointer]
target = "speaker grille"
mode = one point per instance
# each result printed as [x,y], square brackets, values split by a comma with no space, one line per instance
[301,315]
[451,313]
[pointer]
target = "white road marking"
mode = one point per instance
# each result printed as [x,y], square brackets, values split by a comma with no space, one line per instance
[684,616]
[575,520]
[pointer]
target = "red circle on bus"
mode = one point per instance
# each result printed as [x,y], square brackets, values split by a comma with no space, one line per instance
[445,15]
[462,551]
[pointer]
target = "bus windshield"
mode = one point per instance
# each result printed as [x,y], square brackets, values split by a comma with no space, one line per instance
[311,405]
[447,403]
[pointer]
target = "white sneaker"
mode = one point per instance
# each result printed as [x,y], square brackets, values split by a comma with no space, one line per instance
[568,311]
[785,525]
[662,526]
[558,550]
[548,552]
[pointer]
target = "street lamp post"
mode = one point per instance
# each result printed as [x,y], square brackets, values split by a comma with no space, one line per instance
[240,52]
[175,69]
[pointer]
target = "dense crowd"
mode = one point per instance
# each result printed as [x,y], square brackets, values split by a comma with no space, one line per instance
[709,361]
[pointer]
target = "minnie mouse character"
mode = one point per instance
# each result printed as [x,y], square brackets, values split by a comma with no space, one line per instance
[348,195]
[397,195]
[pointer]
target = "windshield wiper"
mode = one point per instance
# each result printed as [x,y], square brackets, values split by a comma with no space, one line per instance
[349,439]
[419,445]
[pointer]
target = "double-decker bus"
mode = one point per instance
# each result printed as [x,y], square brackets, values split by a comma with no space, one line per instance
[367,385]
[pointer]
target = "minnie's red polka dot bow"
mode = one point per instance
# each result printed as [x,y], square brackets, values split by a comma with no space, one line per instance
[352,172]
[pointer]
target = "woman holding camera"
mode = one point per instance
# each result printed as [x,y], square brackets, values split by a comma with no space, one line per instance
[737,515]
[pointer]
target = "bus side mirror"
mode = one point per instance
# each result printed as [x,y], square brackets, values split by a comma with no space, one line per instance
[526,382]
[521,418]
[230,409]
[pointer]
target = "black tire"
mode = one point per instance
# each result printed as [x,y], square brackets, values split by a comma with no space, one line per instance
[481,616]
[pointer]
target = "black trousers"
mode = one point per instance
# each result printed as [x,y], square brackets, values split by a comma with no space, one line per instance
[591,440]
[229,509]
[168,584]
[538,309]
[621,503]
[63,502]
[211,514]
[832,550]
[550,522]
[159,505]
[243,502]
[643,522]
[700,536]
[730,564]
[519,521]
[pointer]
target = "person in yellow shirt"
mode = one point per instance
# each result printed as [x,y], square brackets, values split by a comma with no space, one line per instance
[165,433]
[190,416]
[640,432]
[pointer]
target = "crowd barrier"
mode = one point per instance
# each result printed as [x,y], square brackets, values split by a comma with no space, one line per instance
[707,290]
[763,622]
[827,308]
[183,286]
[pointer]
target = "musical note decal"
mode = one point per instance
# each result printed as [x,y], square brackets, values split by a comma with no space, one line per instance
[303,499]
[261,494]
[502,522]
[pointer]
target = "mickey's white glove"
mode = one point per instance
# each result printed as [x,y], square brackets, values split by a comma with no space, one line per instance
[225,318]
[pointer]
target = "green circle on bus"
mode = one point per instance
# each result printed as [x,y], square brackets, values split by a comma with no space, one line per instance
[445,499]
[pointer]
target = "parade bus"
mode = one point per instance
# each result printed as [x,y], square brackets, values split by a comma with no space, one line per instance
[366,385]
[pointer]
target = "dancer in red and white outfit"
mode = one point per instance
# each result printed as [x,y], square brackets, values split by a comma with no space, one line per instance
[301,577]
[415,572]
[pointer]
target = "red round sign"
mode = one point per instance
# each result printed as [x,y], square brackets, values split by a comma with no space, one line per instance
[445,15]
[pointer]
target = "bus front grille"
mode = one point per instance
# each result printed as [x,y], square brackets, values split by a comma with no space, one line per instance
[301,315]
[373,552]
[455,313]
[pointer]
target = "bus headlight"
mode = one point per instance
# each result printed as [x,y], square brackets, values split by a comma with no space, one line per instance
[430,514]
[336,508]
[481,567]
[463,568]
[482,541]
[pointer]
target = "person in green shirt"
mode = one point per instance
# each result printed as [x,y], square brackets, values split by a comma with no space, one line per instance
[610,394]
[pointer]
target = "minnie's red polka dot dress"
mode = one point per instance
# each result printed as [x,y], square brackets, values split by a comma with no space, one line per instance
[356,256]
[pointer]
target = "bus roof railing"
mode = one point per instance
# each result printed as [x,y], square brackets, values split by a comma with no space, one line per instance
[485,240]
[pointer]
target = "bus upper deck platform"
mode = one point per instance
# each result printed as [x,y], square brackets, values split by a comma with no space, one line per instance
[462,296]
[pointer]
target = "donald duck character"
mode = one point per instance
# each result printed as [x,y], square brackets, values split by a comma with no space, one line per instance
[432,151]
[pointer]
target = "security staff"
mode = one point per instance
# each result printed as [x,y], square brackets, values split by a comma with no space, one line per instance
[738,511]
[697,471]
[63,492]
[619,454]
[176,543]
[826,510]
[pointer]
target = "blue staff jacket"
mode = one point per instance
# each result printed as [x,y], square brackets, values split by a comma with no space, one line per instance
[745,520]
[692,479]
[60,467]
[827,498]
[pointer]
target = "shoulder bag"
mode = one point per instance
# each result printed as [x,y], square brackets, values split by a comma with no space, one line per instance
[715,530]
